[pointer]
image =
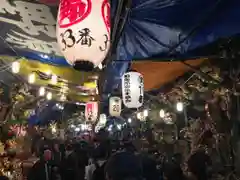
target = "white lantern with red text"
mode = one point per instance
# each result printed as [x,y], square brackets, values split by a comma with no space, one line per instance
[91,111]
[83,31]
[132,89]
[115,106]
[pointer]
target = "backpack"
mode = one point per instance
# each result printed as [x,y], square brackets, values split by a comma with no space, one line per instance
[98,173]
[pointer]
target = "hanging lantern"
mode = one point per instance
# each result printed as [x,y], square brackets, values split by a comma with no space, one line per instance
[83,32]
[101,123]
[91,111]
[132,89]
[102,119]
[115,106]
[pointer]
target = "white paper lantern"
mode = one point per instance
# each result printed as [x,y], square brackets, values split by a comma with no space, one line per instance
[132,89]
[115,106]
[83,30]
[91,111]
[102,119]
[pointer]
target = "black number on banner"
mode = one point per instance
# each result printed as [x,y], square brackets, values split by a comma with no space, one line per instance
[116,108]
[105,43]
[68,39]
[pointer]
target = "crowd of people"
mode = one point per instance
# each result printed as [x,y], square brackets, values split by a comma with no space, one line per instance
[111,160]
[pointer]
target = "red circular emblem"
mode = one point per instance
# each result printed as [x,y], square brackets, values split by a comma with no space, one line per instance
[73,11]
[106,14]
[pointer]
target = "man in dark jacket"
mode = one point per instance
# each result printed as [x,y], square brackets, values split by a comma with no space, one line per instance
[43,169]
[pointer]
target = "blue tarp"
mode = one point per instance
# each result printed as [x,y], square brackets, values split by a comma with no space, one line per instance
[155,26]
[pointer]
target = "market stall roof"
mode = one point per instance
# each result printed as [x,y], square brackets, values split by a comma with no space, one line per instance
[157,74]
[78,86]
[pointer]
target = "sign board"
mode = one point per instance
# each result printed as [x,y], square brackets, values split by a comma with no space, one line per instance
[28,26]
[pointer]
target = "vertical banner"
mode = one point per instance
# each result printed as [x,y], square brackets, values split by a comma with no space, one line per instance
[91,111]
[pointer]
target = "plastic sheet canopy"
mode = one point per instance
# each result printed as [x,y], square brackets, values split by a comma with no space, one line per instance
[166,28]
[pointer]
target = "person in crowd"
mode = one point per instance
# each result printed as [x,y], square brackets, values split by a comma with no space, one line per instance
[42,169]
[56,154]
[69,165]
[149,165]
[173,171]
[124,166]
[82,155]
[198,164]
[95,171]
[4,178]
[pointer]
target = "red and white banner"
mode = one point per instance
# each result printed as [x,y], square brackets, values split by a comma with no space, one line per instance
[91,111]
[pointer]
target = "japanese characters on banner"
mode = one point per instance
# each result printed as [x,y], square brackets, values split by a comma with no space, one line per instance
[115,106]
[83,30]
[132,89]
[31,26]
[91,111]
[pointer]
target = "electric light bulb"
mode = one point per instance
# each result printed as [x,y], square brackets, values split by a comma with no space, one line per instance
[42,91]
[54,79]
[16,67]
[54,129]
[63,97]
[31,78]
[64,89]
[49,96]
[179,106]
[139,115]
[129,120]
[162,113]
[145,113]
[48,73]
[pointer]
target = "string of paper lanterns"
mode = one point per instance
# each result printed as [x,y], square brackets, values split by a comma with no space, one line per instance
[132,97]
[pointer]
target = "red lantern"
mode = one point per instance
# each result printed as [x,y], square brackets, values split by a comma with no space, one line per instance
[91,111]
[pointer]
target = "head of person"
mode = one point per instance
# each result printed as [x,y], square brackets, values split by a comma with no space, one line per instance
[56,147]
[173,172]
[4,178]
[69,147]
[100,153]
[123,166]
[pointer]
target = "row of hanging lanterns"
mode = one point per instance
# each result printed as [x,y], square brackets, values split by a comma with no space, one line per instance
[132,95]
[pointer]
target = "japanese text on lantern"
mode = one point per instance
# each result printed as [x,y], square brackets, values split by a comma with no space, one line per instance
[127,88]
[83,38]
[73,11]
[140,79]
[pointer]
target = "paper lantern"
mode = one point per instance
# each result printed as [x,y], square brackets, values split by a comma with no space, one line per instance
[83,31]
[101,123]
[115,106]
[102,119]
[132,89]
[91,111]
